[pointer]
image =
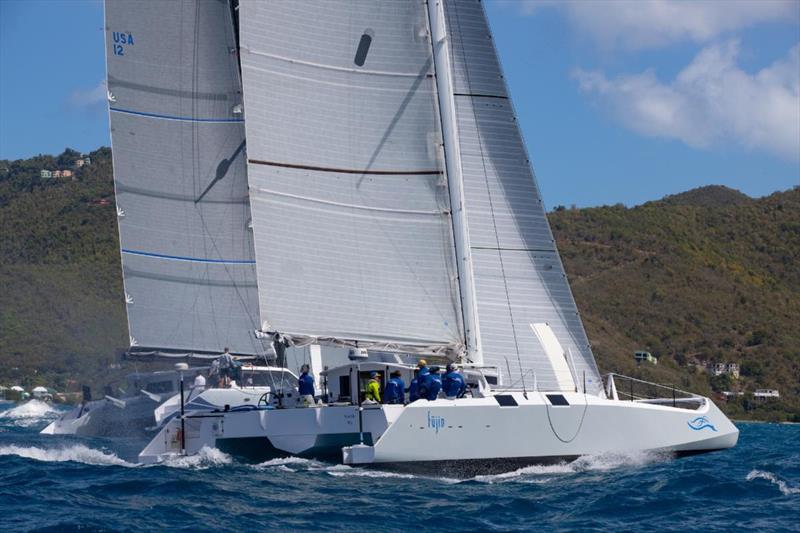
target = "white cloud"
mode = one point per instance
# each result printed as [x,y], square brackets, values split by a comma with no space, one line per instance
[88,97]
[638,24]
[710,101]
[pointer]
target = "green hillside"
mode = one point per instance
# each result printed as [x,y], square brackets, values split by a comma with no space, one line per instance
[709,275]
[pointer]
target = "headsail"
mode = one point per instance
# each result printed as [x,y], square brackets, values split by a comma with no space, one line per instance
[518,275]
[180,177]
[350,204]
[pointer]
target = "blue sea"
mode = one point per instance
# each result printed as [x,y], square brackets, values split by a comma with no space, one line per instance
[57,483]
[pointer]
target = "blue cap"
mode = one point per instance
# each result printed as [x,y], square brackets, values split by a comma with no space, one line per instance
[373,374]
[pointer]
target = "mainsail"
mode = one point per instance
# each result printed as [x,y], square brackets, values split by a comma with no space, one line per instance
[180,177]
[350,203]
[518,276]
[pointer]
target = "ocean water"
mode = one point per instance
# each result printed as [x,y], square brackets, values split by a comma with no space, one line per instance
[60,483]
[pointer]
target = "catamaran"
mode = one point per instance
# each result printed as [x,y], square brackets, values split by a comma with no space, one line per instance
[394,213]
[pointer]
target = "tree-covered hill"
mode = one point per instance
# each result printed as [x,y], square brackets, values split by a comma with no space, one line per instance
[708,275]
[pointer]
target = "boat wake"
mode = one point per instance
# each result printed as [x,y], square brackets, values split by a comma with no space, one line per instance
[30,413]
[784,487]
[537,474]
[77,454]
[206,458]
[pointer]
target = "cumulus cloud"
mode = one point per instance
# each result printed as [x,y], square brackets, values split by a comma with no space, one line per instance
[710,101]
[80,98]
[638,24]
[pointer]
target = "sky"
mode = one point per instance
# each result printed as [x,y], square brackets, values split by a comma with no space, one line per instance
[619,101]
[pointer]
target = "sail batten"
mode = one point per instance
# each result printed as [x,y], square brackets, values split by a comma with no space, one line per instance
[187,253]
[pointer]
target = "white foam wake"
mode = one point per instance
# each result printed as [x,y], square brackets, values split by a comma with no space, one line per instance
[206,458]
[285,464]
[30,413]
[77,453]
[586,463]
[349,471]
[784,487]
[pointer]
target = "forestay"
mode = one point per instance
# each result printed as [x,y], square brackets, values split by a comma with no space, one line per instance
[350,203]
[518,275]
[180,177]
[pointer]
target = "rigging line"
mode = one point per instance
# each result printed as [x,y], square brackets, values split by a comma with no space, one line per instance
[489,192]
[580,425]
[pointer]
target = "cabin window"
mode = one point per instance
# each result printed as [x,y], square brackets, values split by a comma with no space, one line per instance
[557,399]
[491,380]
[363,47]
[506,400]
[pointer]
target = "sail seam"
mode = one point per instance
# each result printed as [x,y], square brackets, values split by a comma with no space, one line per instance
[503,249]
[331,67]
[189,259]
[352,206]
[347,170]
[173,117]
[478,95]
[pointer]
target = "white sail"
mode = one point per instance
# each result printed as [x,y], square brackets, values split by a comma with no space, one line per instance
[351,211]
[180,177]
[518,275]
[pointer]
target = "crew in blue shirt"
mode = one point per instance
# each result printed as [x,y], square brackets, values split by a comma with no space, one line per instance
[432,384]
[305,383]
[453,383]
[395,389]
[416,390]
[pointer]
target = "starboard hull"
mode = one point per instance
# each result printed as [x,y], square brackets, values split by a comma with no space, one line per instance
[470,435]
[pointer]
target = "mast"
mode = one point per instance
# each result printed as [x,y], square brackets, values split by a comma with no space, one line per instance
[452,156]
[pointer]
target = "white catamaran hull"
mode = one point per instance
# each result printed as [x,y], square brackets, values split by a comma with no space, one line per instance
[478,432]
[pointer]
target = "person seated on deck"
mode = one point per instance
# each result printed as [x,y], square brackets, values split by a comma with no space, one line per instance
[453,383]
[432,385]
[395,390]
[305,386]
[373,392]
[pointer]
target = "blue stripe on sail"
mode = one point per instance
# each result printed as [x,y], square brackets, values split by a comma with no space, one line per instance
[172,117]
[191,259]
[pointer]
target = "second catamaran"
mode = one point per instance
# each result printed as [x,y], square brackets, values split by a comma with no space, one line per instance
[395,212]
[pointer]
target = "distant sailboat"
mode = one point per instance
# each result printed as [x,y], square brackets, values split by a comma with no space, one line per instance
[395,211]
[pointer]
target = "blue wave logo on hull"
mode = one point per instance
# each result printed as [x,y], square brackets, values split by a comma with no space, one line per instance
[701,422]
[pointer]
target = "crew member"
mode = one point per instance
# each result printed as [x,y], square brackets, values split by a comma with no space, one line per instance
[395,389]
[279,344]
[199,383]
[373,392]
[453,383]
[225,367]
[305,386]
[417,383]
[432,385]
[213,373]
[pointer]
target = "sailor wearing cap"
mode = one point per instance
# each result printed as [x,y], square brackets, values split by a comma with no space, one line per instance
[453,383]
[373,393]
[418,381]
